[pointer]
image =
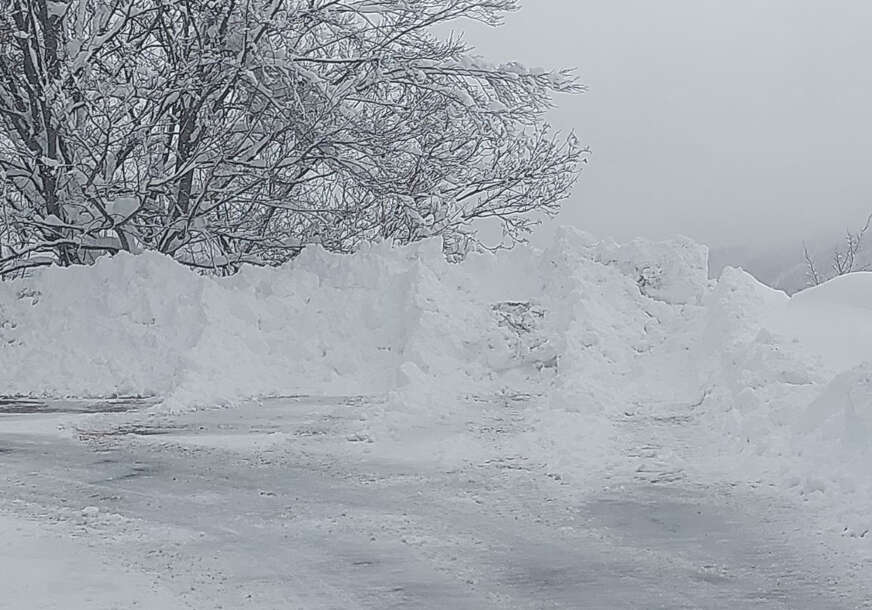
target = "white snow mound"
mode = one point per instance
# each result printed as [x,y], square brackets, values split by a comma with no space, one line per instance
[364,323]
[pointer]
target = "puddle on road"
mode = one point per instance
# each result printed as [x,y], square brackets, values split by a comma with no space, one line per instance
[25,406]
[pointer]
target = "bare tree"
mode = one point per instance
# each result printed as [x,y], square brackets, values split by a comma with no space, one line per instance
[813,278]
[225,132]
[845,259]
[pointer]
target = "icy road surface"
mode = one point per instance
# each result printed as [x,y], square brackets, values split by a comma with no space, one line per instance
[288,505]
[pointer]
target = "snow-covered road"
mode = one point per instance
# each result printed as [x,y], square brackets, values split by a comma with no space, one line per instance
[287,505]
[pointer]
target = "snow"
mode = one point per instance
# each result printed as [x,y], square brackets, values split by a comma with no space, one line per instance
[583,331]
[789,390]
[831,321]
[330,520]
[122,208]
[41,568]
[324,323]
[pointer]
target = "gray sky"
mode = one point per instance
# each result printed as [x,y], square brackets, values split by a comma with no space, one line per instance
[727,120]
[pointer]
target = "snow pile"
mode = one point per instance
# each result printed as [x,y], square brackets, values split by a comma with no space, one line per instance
[833,324]
[368,323]
[739,359]
[779,354]
[122,326]
[789,389]
[673,271]
[145,325]
[831,321]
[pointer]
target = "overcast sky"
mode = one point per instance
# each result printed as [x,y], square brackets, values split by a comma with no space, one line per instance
[725,120]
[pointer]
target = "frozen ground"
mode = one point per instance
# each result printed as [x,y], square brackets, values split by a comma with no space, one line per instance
[285,504]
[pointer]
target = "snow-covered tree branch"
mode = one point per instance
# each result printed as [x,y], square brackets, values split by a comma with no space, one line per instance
[225,132]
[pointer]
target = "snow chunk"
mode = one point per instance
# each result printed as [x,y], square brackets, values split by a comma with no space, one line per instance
[122,207]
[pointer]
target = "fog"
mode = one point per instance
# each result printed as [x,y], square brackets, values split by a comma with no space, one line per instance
[733,122]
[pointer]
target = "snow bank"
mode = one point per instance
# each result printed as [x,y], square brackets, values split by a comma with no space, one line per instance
[123,326]
[790,390]
[372,322]
[145,325]
[831,321]
[834,321]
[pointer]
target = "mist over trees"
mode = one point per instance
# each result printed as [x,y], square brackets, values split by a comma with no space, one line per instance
[224,132]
